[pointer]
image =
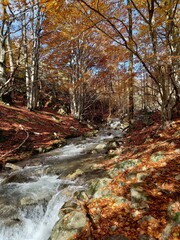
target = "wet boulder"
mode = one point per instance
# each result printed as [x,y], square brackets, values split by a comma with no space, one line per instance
[17,177]
[12,166]
[8,212]
[91,134]
[101,147]
[34,200]
[73,222]
[74,175]
[115,124]
[112,145]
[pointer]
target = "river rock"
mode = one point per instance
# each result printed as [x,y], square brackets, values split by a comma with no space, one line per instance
[155,157]
[17,177]
[34,200]
[73,221]
[12,166]
[123,166]
[100,147]
[97,166]
[53,170]
[112,145]
[74,175]
[73,129]
[96,188]
[70,226]
[173,212]
[8,213]
[137,194]
[69,206]
[114,152]
[139,176]
[91,134]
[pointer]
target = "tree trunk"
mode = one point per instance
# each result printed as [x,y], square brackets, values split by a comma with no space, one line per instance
[31,54]
[131,80]
[3,36]
[2,62]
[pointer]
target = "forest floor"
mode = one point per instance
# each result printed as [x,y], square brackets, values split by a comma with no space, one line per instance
[151,187]
[24,133]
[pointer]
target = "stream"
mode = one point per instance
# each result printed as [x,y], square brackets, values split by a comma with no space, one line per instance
[30,198]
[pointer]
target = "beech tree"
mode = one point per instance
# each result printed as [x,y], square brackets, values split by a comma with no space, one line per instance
[91,48]
[5,25]
[27,17]
[131,77]
[79,57]
[31,21]
[157,25]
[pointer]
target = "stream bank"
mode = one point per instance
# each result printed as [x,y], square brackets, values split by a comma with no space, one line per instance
[133,195]
[32,194]
[137,199]
[25,133]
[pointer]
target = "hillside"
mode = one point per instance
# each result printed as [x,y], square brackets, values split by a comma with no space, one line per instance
[139,198]
[23,133]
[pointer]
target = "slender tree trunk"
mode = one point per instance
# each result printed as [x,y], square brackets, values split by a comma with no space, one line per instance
[2,61]
[3,36]
[26,60]
[131,80]
[11,65]
[31,53]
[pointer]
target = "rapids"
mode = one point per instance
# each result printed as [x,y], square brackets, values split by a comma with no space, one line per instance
[29,204]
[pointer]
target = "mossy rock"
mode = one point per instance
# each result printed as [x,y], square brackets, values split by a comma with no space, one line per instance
[173,212]
[69,226]
[128,164]
[96,187]
[123,166]
[137,194]
[155,157]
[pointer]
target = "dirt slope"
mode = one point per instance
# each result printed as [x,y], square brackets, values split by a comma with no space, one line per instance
[23,133]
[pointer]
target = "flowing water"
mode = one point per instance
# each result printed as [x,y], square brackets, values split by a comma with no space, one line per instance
[30,198]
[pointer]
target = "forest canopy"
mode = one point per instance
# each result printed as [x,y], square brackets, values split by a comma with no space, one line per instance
[92,58]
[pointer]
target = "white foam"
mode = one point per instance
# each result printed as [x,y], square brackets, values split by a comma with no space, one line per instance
[36,221]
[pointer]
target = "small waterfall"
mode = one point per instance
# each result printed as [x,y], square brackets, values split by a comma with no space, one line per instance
[35,222]
[29,205]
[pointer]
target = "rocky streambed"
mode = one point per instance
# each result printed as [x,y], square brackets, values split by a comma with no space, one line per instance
[32,194]
[68,194]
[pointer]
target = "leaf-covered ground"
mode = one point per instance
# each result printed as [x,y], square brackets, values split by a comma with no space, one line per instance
[23,133]
[157,177]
